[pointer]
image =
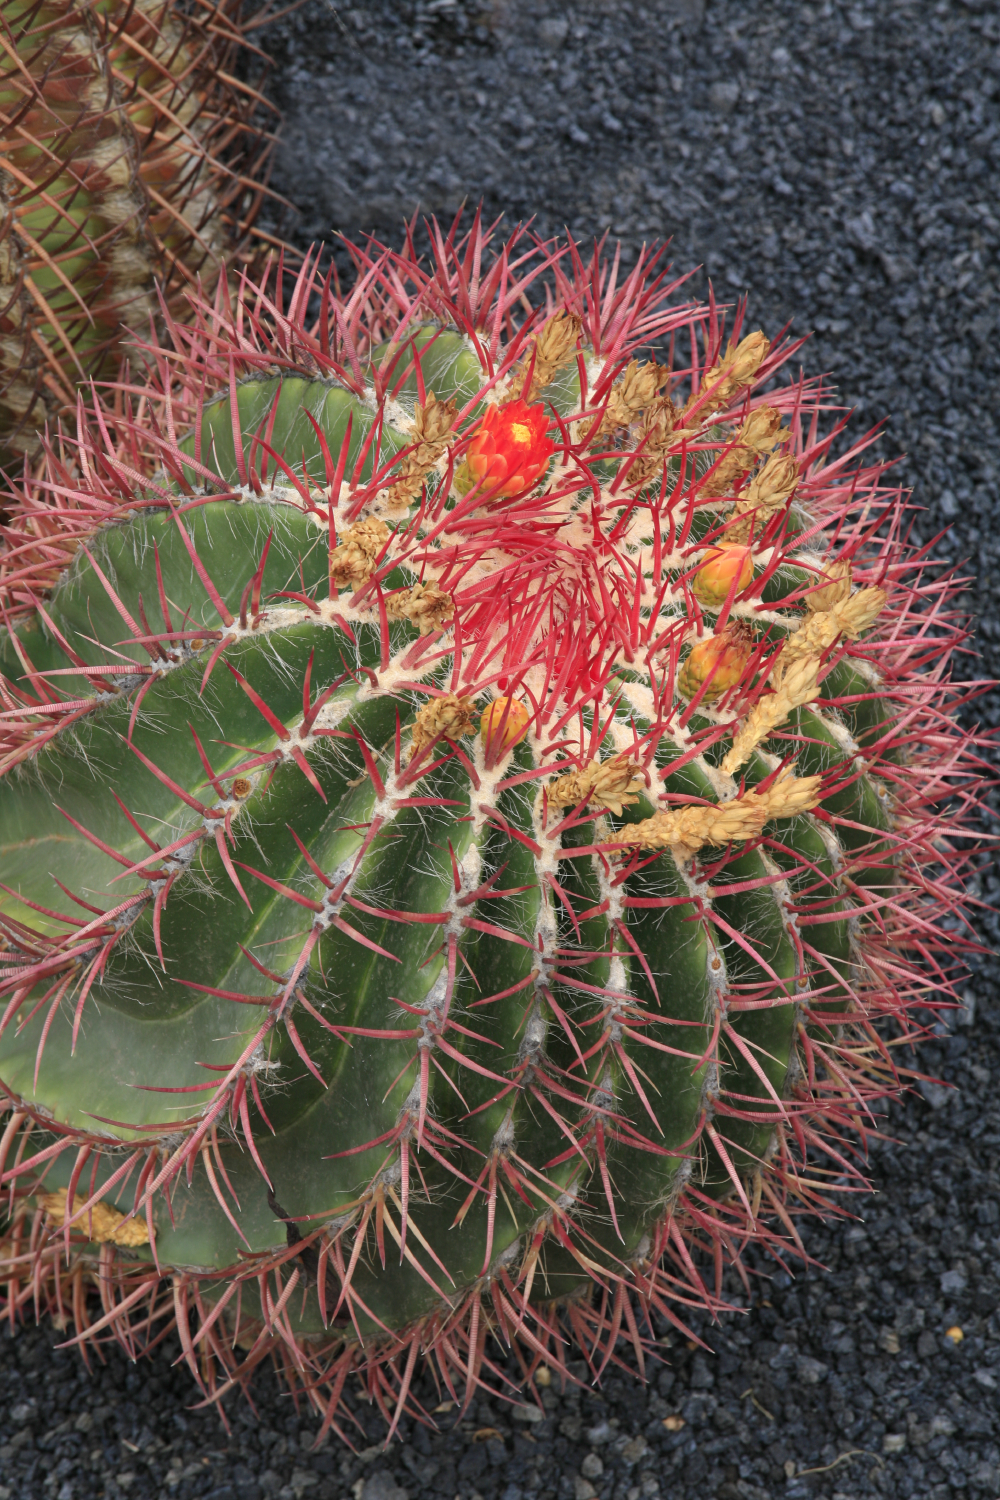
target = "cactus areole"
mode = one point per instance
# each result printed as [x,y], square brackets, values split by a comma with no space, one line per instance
[434,913]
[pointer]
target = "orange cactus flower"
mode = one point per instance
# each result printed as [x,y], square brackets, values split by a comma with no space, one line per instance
[509,451]
[502,726]
[723,657]
[714,578]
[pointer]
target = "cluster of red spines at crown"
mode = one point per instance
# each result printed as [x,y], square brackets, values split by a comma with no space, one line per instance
[567,608]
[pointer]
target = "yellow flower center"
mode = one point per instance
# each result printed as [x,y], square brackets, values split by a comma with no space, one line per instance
[519,433]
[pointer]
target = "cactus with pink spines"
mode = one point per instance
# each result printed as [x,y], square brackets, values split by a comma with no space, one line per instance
[472,787]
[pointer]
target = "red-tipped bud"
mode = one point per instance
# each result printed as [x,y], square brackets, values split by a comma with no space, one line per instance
[502,726]
[723,658]
[720,566]
[509,451]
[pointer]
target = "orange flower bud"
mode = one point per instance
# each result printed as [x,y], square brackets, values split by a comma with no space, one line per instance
[503,724]
[509,451]
[714,578]
[722,657]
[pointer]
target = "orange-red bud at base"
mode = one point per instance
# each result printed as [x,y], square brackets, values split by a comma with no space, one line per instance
[509,451]
[714,578]
[503,725]
[723,657]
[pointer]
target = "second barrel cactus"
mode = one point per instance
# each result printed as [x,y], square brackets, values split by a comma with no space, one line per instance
[131,157]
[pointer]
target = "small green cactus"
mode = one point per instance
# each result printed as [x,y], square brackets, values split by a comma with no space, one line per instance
[443,892]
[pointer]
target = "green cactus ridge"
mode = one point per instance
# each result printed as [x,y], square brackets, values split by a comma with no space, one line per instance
[313,975]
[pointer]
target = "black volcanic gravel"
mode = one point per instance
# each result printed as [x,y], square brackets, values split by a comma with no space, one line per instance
[839,161]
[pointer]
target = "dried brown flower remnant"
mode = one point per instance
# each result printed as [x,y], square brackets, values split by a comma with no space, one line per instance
[447,718]
[606,784]
[100,1223]
[425,605]
[688,829]
[553,347]
[833,592]
[354,560]
[774,485]
[759,434]
[762,429]
[663,425]
[432,427]
[656,436]
[770,489]
[632,393]
[735,370]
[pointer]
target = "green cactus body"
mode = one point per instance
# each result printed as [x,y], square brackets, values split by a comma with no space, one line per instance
[308,976]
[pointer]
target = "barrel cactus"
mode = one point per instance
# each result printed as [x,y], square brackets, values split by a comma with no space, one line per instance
[130,154]
[474,813]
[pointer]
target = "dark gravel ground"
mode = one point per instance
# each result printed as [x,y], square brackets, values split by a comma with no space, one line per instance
[839,161]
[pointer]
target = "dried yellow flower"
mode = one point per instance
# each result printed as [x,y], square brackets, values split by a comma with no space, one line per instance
[797,684]
[818,600]
[770,489]
[606,784]
[100,1223]
[688,829]
[354,560]
[850,617]
[796,673]
[425,605]
[447,718]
